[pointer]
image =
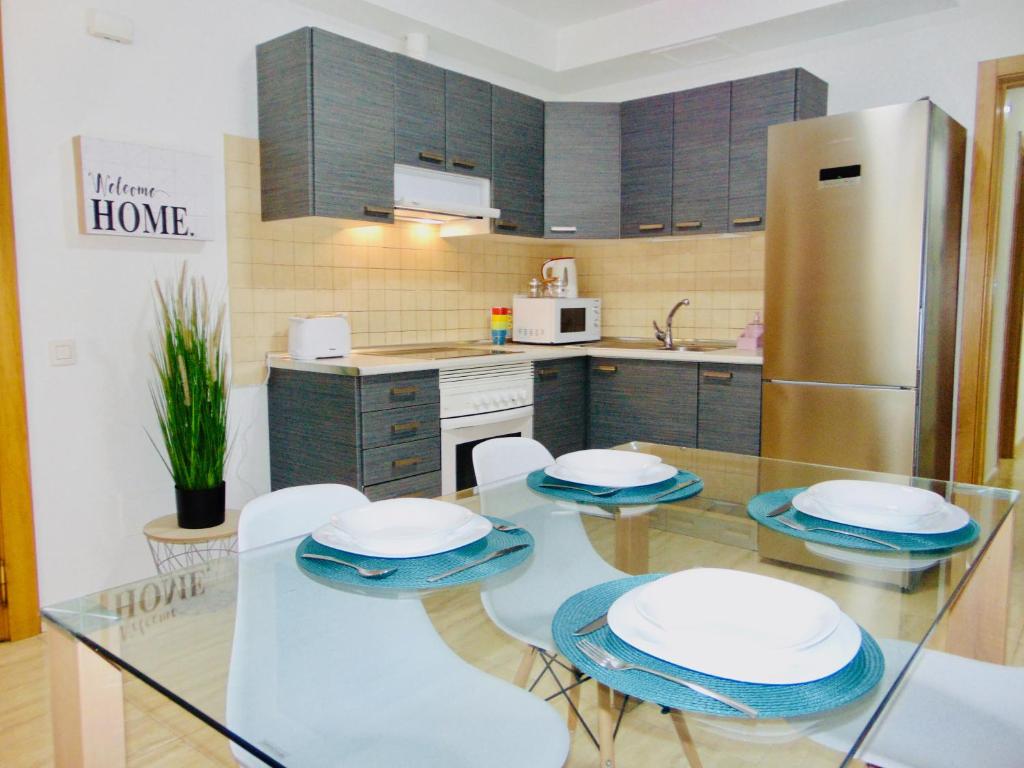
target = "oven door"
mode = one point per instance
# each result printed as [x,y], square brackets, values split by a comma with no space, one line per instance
[460,434]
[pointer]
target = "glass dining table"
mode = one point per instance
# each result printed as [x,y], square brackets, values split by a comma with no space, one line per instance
[280,667]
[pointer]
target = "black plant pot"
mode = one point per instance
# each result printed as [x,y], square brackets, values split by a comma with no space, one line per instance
[200,507]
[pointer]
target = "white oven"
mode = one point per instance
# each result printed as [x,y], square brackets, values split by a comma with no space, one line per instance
[555,320]
[477,404]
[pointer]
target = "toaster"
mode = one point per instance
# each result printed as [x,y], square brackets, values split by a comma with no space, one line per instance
[313,336]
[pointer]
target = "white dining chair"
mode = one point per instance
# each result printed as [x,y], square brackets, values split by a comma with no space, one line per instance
[564,562]
[323,676]
[949,712]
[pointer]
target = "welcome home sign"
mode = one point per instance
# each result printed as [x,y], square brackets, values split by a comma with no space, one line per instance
[138,191]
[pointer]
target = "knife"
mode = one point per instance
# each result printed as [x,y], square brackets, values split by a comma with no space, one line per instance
[592,626]
[781,509]
[482,560]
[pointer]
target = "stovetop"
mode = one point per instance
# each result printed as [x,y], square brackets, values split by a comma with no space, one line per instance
[438,353]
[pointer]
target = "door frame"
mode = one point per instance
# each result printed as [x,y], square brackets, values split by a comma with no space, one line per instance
[995,77]
[1014,320]
[17,531]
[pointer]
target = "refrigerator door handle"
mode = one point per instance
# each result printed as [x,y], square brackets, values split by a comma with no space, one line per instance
[830,384]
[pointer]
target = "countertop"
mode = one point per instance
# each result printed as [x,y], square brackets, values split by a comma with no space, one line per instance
[360,364]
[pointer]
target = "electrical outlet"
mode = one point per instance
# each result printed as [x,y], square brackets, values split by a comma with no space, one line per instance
[62,352]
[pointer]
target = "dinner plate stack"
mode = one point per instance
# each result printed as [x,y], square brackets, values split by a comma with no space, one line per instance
[881,506]
[611,469]
[403,528]
[738,626]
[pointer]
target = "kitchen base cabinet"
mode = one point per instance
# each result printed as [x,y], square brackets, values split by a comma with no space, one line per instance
[729,408]
[560,404]
[643,400]
[380,434]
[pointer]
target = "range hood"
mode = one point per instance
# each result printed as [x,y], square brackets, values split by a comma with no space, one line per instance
[436,197]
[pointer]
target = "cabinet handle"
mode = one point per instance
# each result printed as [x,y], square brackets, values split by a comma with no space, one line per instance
[720,375]
[376,210]
[689,224]
[409,426]
[747,220]
[431,157]
[402,463]
[403,391]
[606,368]
[506,224]
[650,227]
[547,373]
[458,162]
[562,229]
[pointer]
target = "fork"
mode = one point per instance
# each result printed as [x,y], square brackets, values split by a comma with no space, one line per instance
[807,529]
[366,573]
[606,492]
[607,660]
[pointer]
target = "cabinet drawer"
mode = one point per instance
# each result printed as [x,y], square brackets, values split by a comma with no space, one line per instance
[398,390]
[425,486]
[394,461]
[729,408]
[400,425]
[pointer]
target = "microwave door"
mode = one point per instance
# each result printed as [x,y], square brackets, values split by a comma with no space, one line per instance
[572,319]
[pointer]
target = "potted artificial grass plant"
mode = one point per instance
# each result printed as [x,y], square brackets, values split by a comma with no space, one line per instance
[191,398]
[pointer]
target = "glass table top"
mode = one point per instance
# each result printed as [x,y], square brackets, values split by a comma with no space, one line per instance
[298,671]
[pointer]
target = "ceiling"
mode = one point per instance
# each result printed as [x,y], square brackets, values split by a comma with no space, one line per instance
[555,47]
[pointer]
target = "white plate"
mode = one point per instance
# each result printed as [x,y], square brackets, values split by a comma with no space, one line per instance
[403,528]
[606,460]
[873,498]
[737,660]
[656,474]
[947,519]
[772,614]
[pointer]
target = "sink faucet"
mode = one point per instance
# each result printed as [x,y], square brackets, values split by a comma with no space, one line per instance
[666,335]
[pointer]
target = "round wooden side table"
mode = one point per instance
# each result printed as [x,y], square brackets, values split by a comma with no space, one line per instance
[173,547]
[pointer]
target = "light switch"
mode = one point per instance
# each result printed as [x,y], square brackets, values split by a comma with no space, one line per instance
[62,352]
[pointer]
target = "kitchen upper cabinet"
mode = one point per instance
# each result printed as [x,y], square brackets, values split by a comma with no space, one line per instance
[326,121]
[700,178]
[729,408]
[419,113]
[645,400]
[646,164]
[517,183]
[581,170]
[467,109]
[758,102]
[560,404]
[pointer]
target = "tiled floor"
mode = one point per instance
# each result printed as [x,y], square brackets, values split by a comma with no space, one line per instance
[161,734]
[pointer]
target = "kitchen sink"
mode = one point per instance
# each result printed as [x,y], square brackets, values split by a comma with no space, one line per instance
[685,345]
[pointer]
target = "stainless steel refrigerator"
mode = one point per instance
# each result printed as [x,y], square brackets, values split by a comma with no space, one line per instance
[861,266]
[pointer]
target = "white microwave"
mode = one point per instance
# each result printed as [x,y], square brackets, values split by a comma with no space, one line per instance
[555,320]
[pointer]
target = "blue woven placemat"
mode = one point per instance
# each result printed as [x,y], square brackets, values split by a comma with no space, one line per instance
[625,497]
[412,572]
[848,684]
[759,507]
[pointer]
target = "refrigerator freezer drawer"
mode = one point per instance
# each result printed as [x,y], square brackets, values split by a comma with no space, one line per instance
[857,427]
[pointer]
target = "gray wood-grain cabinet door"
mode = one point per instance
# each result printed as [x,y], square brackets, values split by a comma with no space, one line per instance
[646,139]
[729,408]
[354,128]
[419,113]
[581,170]
[467,109]
[700,178]
[560,404]
[517,181]
[758,102]
[645,400]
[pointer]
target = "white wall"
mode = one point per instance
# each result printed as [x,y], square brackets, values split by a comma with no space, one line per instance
[188,79]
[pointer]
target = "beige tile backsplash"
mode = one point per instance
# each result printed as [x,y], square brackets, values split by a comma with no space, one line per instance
[403,283]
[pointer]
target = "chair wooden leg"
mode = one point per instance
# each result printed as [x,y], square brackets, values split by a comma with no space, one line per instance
[525,667]
[574,697]
[685,739]
[605,726]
